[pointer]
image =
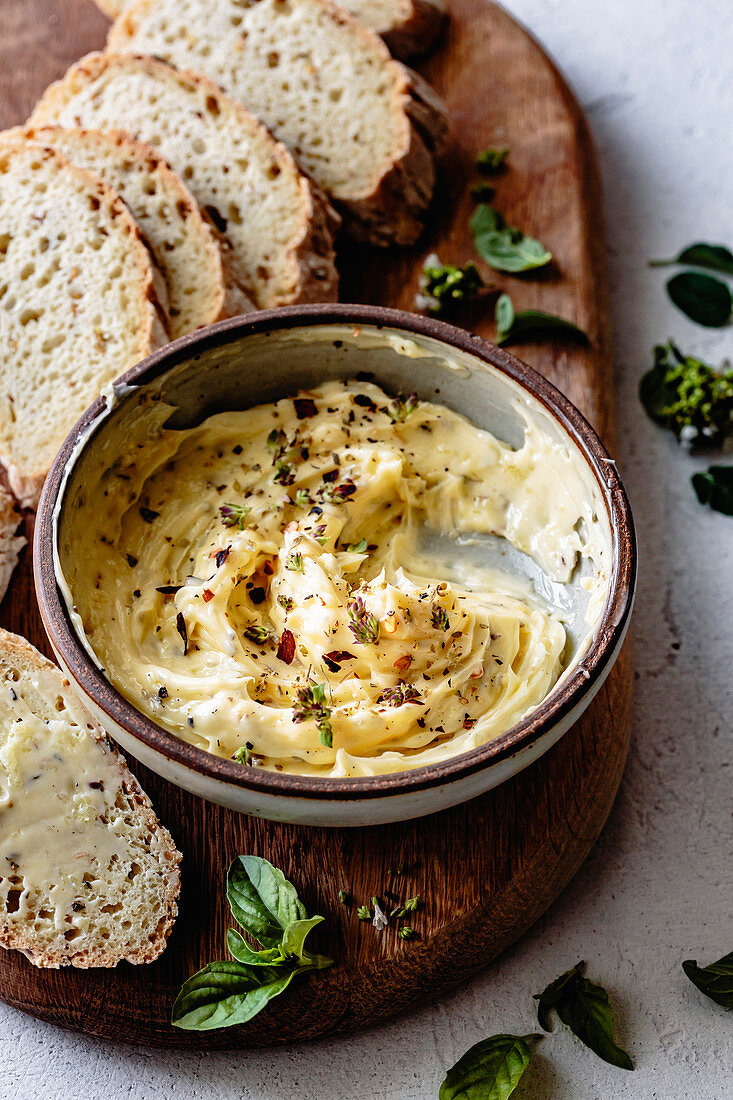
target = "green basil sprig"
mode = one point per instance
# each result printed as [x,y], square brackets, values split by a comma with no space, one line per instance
[512,326]
[586,1010]
[490,1070]
[714,487]
[715,980]
[267,907]
[688,397]
[492,160]
[714,257]
[502,246]
[702,298]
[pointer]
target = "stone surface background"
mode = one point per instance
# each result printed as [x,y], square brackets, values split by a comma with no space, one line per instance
[655,77]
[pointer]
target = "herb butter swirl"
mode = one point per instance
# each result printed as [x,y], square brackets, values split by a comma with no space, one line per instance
[264,587]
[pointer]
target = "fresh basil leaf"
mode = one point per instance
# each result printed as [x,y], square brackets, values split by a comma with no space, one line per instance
[530,322]
[715,257]
[243,953]
[293,944]
[262,900]
[502,246]
[490,1070]
[714,487]
[504,317]
[715,980]
[702,298]
[552,996]
[227,993]
[587,1011]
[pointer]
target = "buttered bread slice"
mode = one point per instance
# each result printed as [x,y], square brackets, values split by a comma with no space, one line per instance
[181,242]
[77,303]
[323,84]
[278,228]
[88,875]
[407,26]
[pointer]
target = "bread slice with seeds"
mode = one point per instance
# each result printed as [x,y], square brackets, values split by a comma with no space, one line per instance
[276,223]
[322,83]
[407,26]
[88,875]
[77,303]
[181,242]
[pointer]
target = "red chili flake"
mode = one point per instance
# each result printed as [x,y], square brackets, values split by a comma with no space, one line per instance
[339,655]
[207,594]
[169,589]
[286,647]
[304,407]
[469,723]
[221,557]
[183,631]
[335,657]
[403,662]
[267,569]
[345,490]
[330,475]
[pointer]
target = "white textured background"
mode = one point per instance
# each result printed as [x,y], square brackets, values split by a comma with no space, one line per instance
[656,79]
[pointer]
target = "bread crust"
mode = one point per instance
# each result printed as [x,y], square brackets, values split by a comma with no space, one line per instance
[22,653]
[11,543]
[392,206]
[310,251]
[418,31]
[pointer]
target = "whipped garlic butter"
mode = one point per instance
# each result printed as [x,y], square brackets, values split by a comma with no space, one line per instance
[58,780]
[262,586]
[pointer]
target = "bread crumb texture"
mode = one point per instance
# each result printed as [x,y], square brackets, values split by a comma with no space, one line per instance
[77,303]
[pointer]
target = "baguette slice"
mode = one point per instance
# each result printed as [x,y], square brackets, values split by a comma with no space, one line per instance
[407,26]
[278,227]
[321,83]
[181,242]
[88,875]
[11,543]
[77,303]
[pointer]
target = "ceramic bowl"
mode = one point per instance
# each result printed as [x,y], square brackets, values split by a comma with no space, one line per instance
[266,356]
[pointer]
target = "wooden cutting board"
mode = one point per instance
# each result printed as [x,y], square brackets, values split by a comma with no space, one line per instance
[484,871]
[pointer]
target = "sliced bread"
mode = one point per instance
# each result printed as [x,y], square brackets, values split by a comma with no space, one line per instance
[88,875]
[11,543]
[77,303]
[322,83]
[407,26]
[181,242]
[279,228]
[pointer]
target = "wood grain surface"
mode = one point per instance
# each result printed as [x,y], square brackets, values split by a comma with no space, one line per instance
[487,870]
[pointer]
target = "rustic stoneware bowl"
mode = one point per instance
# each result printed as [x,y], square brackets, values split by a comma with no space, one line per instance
[261,358]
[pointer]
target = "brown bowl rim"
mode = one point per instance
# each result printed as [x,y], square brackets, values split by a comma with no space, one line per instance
[519,737]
